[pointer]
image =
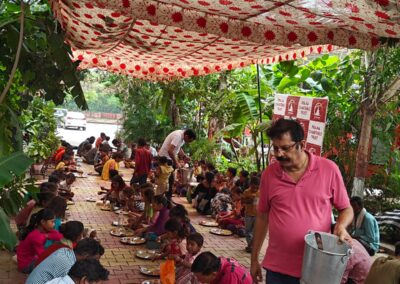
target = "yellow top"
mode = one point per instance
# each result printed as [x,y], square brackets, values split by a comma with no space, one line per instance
[197,171]
[60,166]
[161,180]
[111,164]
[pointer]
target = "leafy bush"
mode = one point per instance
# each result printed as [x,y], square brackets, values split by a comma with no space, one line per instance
[39,129]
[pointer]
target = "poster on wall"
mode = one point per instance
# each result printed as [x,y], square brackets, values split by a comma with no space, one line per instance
[309,112]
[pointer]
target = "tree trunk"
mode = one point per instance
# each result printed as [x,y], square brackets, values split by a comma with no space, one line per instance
[212,127]
[174,112]
[362,157]
[254,137]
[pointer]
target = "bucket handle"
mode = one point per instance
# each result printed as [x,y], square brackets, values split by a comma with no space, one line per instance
[348,253]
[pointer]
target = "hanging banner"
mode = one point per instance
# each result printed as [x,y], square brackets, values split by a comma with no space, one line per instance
[309,112]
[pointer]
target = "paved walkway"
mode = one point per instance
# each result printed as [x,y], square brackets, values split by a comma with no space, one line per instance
[120,259]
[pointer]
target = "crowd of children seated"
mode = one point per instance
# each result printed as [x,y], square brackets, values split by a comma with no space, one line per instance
[53,250]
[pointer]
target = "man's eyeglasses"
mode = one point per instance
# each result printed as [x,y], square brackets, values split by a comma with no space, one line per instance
[283,148]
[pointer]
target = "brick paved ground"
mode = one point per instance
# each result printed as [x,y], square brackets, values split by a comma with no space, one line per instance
[119,259]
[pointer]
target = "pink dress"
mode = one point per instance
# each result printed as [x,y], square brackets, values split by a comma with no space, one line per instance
[231,272]
[32,246]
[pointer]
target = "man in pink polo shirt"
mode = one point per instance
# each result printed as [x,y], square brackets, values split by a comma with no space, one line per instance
[296,195]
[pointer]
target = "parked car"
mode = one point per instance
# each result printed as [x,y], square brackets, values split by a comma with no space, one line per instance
[59,113]
[74,119]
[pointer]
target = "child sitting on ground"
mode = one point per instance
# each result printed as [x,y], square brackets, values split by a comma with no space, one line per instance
[68,164]
[111,165]
[136,220]
[221,203]
[64,188]
[209,268]
[233,220]
[114,193]
[72,232]
[161,206]
[249,201]
[197,169]
[220,182]
[179,212]
[161,175]
[84,271]
[32,241]
[101,158]
[171,246]
[194,242]
[58,205]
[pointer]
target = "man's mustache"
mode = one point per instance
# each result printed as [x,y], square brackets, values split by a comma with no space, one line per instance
[282,159]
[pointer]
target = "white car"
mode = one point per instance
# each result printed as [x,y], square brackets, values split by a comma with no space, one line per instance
[74,119]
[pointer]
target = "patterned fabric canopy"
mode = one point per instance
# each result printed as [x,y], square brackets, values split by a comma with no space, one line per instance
[171,39]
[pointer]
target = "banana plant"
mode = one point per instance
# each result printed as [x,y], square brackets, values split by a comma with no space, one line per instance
[246,115]
[14,189]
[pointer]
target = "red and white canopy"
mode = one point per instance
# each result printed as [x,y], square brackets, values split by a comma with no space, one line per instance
[171,39]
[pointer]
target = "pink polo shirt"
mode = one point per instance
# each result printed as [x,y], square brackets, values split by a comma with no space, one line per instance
[295,208]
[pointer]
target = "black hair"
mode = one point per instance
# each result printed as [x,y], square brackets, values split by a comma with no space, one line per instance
[162,160]
[174,225]
[117,178]
[48,187]
[87,146]
[44,197]
[115,142]
[148,193]
[357,200]
[225,191]
[53,179]
[104,148]
[202,162]
[397,249]
[197,238]
[89,247]
[160,199]
[36,219]
[282,126]
[190,133]
[178,211]
[107,138]
[206,263]
[102,134]
[233,171]
[210,167]
[91,139]
[66,157]
[209,177]
[254,180]
[72,230]
[59,173]
[64,143]
[70,176]
[141,142]
[244,173]
[117,156]
[199,178]
[58,205]
[113,173]
[89,268]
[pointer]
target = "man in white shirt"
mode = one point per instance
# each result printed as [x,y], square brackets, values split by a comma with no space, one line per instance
[83,271]
[172,147]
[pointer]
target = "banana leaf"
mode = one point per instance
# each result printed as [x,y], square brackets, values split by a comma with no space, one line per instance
[7,236]
[13,165]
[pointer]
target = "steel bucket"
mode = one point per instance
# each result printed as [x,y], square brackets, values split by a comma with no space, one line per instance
[324,266]
[186,175]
